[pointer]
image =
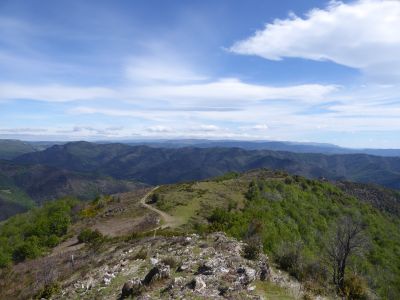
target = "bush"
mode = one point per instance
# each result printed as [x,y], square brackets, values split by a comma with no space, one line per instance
[90,236]
[28,249]
[48,291]
[290,259]
[154,198]
[30,234]
[52,241]
[5,259]
[142,254]
[170,261]
[355,287]
[251,251]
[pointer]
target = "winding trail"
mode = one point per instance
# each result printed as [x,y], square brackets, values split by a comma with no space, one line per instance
[168,220]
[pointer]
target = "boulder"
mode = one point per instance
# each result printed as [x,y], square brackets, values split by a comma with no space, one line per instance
[246,275]
[205,269]
[131,288]
[158,272]
[127,289]
[197,284]
[264,272]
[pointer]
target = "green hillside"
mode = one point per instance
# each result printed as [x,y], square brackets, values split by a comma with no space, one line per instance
[10,149]
[166,165]
[25,186]
[293,218]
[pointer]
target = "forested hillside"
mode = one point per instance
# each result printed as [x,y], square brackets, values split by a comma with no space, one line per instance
[25,186]
[161,165]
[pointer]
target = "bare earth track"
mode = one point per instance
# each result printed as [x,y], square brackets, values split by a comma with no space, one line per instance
[168,220]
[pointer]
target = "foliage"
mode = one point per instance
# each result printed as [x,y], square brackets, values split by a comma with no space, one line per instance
[90,236]
[355,287]
[29,235]
[94,207]
[170,261]
[48,291]
[303,211]
[226,176]
[251,251]
[142,254]
[93,238]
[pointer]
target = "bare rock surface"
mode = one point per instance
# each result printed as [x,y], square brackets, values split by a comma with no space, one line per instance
[188,267]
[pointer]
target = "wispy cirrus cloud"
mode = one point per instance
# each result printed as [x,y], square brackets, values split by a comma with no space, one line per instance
[53,93]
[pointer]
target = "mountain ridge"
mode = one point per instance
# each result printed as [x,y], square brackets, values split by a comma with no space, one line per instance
[167,165]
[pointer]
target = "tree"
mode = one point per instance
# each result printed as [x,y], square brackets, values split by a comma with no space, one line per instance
[253,193]
[346,240]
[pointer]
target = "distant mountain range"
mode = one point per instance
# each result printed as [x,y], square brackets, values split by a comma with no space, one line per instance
[169,165]
[25,186]
[322,148]
[10,149]
[86,169]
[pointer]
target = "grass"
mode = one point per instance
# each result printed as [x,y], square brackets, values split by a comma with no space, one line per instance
[272,291]
[189,202]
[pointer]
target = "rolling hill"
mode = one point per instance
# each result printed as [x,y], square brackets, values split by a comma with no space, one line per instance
[168,165]
[290,218]
[25,186]
[297,147]
[10,149]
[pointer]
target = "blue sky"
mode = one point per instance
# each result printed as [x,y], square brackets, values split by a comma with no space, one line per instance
[311,71]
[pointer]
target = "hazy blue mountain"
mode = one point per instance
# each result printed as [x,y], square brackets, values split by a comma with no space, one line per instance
[25,186]
[168,165]
[323,148]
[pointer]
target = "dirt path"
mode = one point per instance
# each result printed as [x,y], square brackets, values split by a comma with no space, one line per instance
[168,220]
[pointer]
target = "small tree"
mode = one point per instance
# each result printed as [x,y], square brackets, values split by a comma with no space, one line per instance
[347,239]
[253,193]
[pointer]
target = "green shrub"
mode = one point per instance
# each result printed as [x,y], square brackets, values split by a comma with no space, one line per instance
[52,241]
[90,236]
[170,261]
[251,251]
[355,287]
[155,197]
[290,259]
[5,259]
[30,234]
[48,291]
[142,254]
[29,249]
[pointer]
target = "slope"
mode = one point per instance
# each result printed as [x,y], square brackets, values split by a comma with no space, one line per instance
[25,186]
[160,165]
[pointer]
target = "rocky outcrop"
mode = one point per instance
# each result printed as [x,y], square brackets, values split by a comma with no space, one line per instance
[189,267]
[211,268]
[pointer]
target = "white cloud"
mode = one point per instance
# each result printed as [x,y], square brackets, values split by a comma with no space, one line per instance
[206,128]
[232,89]
[363,34]
[150,69]
[260,127]
[23,130]
[53,93]
[225,91]
[159,129]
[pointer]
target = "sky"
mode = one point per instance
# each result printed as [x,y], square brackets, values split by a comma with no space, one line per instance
[298,70]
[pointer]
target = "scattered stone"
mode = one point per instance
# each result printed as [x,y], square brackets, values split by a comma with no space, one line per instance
[264,272]
[160,271]
[205,269]
[132,288]
[127,289]
[197,284]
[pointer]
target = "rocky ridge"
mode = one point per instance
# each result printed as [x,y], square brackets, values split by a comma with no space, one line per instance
[184,267]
